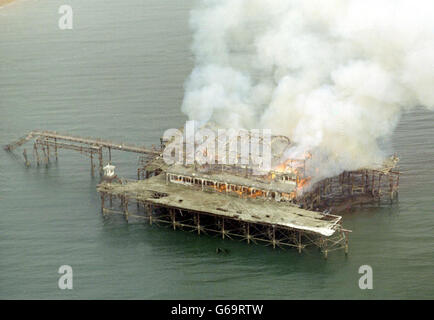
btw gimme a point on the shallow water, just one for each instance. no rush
(119, 75)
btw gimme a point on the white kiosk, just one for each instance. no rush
(109, 171)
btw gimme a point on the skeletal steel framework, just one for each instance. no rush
(48, 142)
(133, 205)
(366, 185)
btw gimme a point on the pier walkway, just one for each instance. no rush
(45, 140)
(53, 135)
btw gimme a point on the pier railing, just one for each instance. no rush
(49, 142)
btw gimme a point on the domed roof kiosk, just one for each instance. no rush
(109, 172)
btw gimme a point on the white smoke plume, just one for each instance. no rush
(334, 76)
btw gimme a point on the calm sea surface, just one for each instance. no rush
(119, 75)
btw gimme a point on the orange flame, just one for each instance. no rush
(242, 192)
(301, 183)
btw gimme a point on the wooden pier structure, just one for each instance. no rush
(204, 211)
(280, 208)
(48, 143)
(377, 185)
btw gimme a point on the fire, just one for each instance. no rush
(283, 167)
(242, 192)
(222, 188)
(290, 169)
(251, 193)
(288, 196)
(256, 194)
(280, 168)
(301, 182)
(293, 165)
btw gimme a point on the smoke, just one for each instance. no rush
(334, 76)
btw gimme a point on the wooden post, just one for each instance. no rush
(35, 148)
(126, 207)
(379, 187)
(48, 151)
(299, 242)
(150, 214)
(391, 187)
(325, 251)
(91, 164)
(346, 243)
(198, 223)
(55, 147)
(47, 158)
(223, 228)
(102, 202)
(248, 233)
(366, 182)
(110, 154)
(45, 155)
(172, 214)
(100, 161)
(274, 237)
(26, 161)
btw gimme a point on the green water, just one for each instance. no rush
(119, 75)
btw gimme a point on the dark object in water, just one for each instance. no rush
(221, 250)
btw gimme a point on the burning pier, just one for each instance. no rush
(281, 207)
(366, 186)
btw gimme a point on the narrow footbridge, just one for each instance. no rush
(47, 141)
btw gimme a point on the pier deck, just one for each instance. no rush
(253, 215)
(276, 223)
